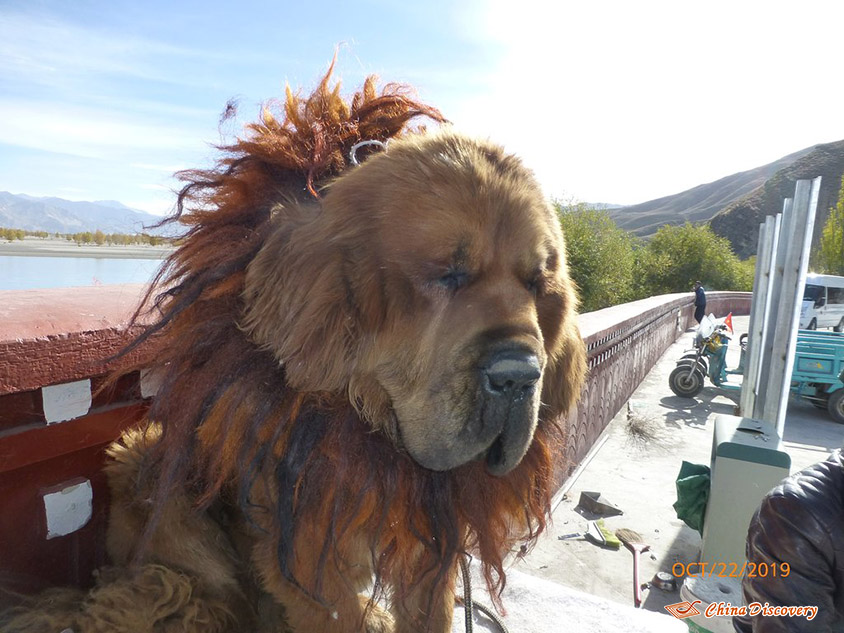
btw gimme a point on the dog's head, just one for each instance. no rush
(431, 286)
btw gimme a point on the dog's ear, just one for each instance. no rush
(299, 305)
(565, 371)
(564, 374)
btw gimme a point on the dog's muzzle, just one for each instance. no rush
(511, 375)
(509, 380)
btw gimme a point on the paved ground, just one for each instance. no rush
(639, 476)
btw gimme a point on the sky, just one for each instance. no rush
(614, 101)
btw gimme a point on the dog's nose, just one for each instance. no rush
(512, 374)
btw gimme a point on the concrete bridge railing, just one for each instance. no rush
(623, 343)
(55, 424)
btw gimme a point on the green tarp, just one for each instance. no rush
(692, 494)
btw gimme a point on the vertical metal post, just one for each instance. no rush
(791, 263)
(750, 380)
(766, 331)
(805, 206)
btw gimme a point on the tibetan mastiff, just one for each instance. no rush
(365, 352)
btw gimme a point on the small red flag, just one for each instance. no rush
(728, 321)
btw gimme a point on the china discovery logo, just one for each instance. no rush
(683, 609)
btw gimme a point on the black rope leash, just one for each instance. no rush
(469, 605)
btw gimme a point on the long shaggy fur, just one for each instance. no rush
(273, 471)
(148, 598)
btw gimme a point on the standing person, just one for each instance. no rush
(700, 302)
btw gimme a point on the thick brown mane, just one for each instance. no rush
(230, 422)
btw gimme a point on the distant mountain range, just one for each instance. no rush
(735, 205)
(698, 204)
(739, 221)
(55, 215)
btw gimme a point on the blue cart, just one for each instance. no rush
(818, 368)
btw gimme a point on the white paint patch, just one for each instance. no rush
(67, 401)
(68, 509)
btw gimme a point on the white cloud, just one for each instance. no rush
(87, 132)
(623, 102)
(157, 206)
(42, 49)
(169, 169)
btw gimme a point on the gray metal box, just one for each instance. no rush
(748, 460)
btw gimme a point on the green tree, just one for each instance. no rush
(831, 247)
(677, 256)
(600, 255)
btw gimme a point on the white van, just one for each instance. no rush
(823, 303)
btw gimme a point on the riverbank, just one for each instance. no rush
(52, 247)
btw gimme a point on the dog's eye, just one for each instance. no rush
(454, 280)
(536, 284)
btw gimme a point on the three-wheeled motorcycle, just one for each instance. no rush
(708, 358)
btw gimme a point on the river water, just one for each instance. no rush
(23, 273)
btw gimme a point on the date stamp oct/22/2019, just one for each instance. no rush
(720, 569)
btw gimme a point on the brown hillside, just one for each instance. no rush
(699, 204)
(739, 222)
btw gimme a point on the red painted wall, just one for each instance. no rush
(51, 337)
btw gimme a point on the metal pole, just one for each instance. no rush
(791, 262)
(750, 380)
(805, 206)
(774, 350)
(766, 334)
